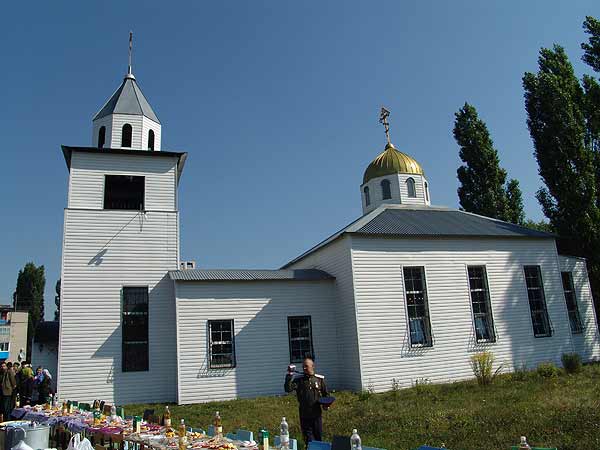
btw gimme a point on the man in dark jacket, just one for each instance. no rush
(7, 385)
(309, 388)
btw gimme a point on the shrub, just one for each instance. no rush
(547, 370)
(571, 362)
(483, 367)
(520, 373)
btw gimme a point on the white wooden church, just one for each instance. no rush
(408, 291)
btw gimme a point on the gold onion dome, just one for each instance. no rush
(391, 161)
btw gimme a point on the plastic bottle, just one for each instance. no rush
(218, 425)
(284, 434)
(355, 443)
(167, 417)
(524, 445)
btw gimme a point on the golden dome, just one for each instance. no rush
(392, 161)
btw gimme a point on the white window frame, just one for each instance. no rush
(310, 337)
(431, 342)
(550, 332)
(491, 315)
(579, 327)
(210, 343)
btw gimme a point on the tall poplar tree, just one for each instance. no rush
(483, 188)
(564, 123)
(29, 297)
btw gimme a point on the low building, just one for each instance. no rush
(13, 334)
(45, 347)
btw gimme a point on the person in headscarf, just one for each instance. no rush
(26, 386)
(44, 386)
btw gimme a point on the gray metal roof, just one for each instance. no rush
(432, 222)
(426, 221)
(128, 99)
(248, 275)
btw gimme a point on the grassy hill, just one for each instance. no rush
(561, 411)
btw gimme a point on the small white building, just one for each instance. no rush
(408, 291)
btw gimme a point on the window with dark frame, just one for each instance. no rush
(367, 196)
(410, 186)
(386, 190)
(135, 357)
(221, 344)
(417, 307)
(571, 299)
(300, 337)
(101, 137)
(481, 305)
(124, 192)
(126, 134)
(537, 302)
(426, 191)
(151, 140)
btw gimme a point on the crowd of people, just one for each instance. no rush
(19, 383)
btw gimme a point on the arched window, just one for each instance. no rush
(367, 196)
(426, 191)
(101, 137)
(386, 190)
(126, 135)
(151, 140)
(410, 186)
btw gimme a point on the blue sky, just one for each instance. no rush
(276, 102)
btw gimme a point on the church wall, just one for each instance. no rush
(87, 178)
(335, 259)
(587, 344)
(260, 311)
(398, 190)
(148, 124)
(103, 251)
(103, 122)
(382, 316)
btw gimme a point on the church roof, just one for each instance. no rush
(248, 275)
(423, 221)
(128, 99)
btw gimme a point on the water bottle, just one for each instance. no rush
(284, 434)
(355, 443)
(524, 445)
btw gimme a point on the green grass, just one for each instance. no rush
(561, 412)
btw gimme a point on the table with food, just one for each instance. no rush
(107, 428)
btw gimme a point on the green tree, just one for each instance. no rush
(483, 188)
(562, 119)
(542, 225)
(57, 300)
(29, 296)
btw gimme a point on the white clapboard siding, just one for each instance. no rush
(398, 191)
(382, 317)
(587, 344)
(147, 125)
(335, 260)
(88, 171)
(137, 130)
(102, 252)
(260, 310)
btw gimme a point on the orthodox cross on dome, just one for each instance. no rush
(383, 118)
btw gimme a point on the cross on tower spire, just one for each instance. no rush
(129, 70)
(383, 116)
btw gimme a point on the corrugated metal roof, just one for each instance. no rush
(426, 221)
(128, 99)
(248, 275)
(432, 222)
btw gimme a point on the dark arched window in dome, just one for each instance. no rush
(386, 189)
(367, 196)
(410, 186)
(126, 133)
(101, 137)
(426, 191)
(151, 140)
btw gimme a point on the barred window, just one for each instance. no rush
(221, 345)
(124, 192)
(418, 309)
(480, 301)
(135, 329)
(571, 299)
(4, 346)
(537, 302)
(300, 336)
